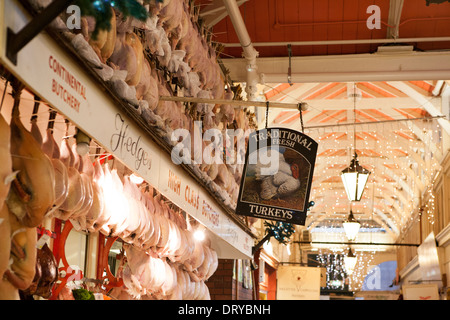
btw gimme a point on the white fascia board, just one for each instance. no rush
(393, 66)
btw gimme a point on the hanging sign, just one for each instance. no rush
(277, 175)
(298, 283)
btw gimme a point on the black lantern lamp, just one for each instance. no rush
(354, 179)
(350, 261)
(351, 227)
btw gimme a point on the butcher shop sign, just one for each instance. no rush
(277, 176)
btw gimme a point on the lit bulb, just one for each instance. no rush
(199, 235)
(136, 179)
(82, 148)
(83, 142)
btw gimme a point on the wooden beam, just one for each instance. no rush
(395, 66)
(236, 103)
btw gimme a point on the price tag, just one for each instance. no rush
(42, 240)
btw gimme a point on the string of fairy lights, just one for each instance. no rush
(337, 276)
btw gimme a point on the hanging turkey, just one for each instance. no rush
(32, 193)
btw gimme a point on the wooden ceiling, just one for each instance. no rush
(290, 21)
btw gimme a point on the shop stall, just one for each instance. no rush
(121, 215)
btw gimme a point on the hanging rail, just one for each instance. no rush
(372, 122)
(360, 243)
(273, 104)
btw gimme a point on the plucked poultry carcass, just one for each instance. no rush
(32, 193)
(142, 273)
(5, 240)
(152, 93)
(181, 29)
(45, 276)
(202, 270)
(193, 143)
(5, 182)
(170, 281)
(78, 217)
(20, 275)
(164, 108)
(133, 41)
(154, 7)
(226, 113)
(187, 247)
(104, 42)
(116, 204)
(133, 227)
(206, 110)
(177, 293)
(122, 210)
(154, 35)
(171, 19)
(5, 160)
(87, 27)
(35, 132)
(198, 256)
(76, 193)
(51, 149)
(183, 284)
(145, 82)
(94, 215)
(148, 232)
(173, 243)
(183, 77)
(146, 229)
(108, 48)
(175, 119)
(224, 178)
(165, 49)
(158, 271)
(190, 44)
(151, 239)
(163, 224)
(214, 264)
(175, 60)
(128, 55)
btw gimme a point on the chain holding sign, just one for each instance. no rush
(277, 176)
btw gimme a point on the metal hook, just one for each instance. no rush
(301, 115)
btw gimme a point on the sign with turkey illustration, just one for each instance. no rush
(277, 175)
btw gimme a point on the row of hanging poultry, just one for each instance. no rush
(41, 178)
(134, 58)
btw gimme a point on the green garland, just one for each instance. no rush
(82, 294)
(281, 231)
(101, 11)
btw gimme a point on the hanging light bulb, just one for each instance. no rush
(199, 234)
(83, 141)
(136, 179)
(351, 227)
(355, 176)
(350, 262)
